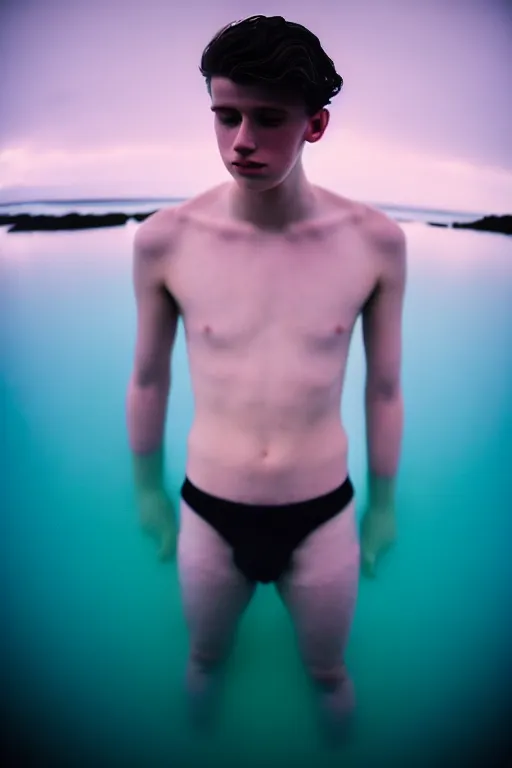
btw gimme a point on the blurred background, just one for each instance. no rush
(105, 99)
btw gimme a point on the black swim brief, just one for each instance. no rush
(263, 538)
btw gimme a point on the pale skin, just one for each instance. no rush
(269, 274)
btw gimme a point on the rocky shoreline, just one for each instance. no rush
(25, 222)
(499, 224)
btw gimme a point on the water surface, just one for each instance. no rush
(93, 642)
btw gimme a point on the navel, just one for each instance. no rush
(207, 329)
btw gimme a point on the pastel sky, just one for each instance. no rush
(104, 98)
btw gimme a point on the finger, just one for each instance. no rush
(151, 531)
(167, 547)
(163, 552)
(368, 564)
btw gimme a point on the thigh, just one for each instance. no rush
(320, 591)
(214, 593)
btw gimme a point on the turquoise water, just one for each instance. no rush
(93, 643)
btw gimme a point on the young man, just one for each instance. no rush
(269, 274)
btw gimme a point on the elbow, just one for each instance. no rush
(144, 378)
(383, 389)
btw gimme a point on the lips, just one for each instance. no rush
(249, 165)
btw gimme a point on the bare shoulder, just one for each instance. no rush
(383, 235)
(155, 234)
(376, 227)
(384, 240)
(160, 230)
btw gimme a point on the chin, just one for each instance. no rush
(248, 183)
(258, 184)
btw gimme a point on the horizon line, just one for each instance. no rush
(397, 206)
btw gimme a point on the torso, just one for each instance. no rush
(268, 320)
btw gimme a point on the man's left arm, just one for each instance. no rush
(382, 335)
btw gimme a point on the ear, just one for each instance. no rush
(317, 126)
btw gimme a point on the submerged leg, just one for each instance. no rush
(214, 596)
(320, 593)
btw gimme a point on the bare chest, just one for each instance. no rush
(236, 294)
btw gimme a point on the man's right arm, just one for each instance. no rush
(149, 385)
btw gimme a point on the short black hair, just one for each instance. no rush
(277, 54)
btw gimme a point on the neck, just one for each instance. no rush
(292, 201)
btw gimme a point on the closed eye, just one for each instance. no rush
(265, 122)
(266, 118)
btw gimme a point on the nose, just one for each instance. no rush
(245, 141)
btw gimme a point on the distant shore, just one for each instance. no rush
(26, 222)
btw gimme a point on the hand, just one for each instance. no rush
(378, 533)
(158, 519)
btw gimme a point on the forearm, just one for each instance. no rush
(146, 408)
(384, 428)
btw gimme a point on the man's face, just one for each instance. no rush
(254, 125)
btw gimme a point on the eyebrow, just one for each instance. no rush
(261, 108)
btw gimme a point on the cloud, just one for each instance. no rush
(350, 163)
(106, 98)
(430, 76)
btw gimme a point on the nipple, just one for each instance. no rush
(339, 329)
